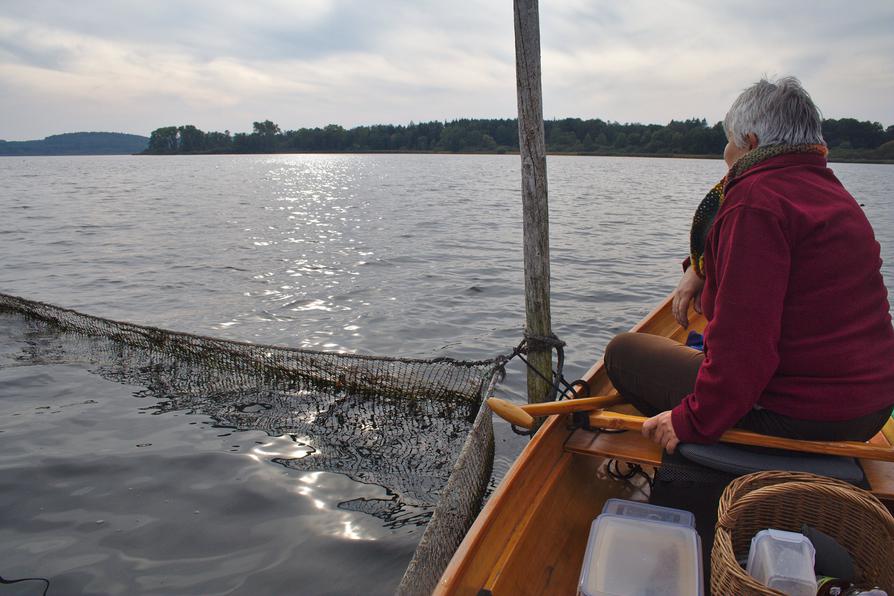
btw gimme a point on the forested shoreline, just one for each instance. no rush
(848, 138)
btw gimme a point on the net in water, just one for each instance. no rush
(415, 426)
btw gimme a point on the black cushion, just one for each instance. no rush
(738, 461)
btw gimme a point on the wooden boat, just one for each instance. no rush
(531, 534)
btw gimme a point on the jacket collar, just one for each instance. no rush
(779, 161)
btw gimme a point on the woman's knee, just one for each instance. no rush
(624, 360)
(650, 368)
(622, 348)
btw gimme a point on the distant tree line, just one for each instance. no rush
(78, 143)
(847, 137)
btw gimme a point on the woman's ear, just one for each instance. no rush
(752, 141)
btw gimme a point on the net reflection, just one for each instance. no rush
(405, 445)
(413, 427)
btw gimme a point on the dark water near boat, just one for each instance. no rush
(105, 491)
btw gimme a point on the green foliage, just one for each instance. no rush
(858, 135)
(265, 128)
(847, 138)
(163, 140)
(191, 139)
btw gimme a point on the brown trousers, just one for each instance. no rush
(655, 374)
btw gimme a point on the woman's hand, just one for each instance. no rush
(688, 290)
(660, 429)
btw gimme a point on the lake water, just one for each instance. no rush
(409, 255)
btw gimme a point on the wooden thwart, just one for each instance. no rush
(633, 447)
(629, 447)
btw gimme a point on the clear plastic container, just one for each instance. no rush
(783, 561)
(650, 512)
(629, 555)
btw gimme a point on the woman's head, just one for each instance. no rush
(773, 113)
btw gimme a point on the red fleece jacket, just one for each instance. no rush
(798, 315)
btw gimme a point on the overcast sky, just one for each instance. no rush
(133, 66)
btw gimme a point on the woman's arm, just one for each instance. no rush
(751, 262)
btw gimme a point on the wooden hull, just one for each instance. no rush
(531, 534)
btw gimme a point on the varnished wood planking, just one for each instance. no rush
(628, 446)
(558, 534)
(526, 523)
(500, 523)
(880, 474)
(484, 544)
(516, 549)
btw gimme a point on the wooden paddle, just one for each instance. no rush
(524, 415)
(614, 420)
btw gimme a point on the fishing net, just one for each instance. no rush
(416, 427)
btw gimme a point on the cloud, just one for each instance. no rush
(105, 65)
(646, 61)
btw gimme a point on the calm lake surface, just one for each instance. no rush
(406, 255)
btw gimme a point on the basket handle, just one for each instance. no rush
(834, 489)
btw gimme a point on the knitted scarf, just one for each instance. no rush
(710, 205)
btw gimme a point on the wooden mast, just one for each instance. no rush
(532, 148)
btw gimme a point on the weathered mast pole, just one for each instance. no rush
(535, 210)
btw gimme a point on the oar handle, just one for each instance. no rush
(617, 421)
(523, 415)
(510, 412)
(567, 406)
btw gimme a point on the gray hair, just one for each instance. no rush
(779, 112)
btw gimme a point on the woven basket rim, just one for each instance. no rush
(854, 495)
(747, 492)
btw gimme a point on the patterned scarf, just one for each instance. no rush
(710, 205)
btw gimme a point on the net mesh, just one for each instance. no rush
(367, 411)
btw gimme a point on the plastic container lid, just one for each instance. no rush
(628, 555)
(783, 561)
(650, 512)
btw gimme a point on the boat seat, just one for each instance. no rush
(634, 448)
(739, 461)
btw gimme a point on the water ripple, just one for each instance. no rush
(415, 255)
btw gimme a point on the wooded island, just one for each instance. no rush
(848, 138)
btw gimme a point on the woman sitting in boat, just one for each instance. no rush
(786, 269)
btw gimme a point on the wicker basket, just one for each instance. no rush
(785, 501)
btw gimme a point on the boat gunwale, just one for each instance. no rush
(487, 519)
(498, 527)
